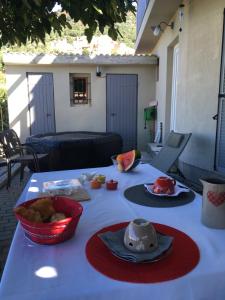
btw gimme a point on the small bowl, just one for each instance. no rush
(140, 236)
(136, 162)
(95, 184)
(53, 232)
(111, 184)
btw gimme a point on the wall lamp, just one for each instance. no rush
(158, 29)
(98, 71)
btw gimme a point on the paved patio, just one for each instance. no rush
(8, 199)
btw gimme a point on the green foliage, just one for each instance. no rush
(85, 51)
(3, 98)
(76, 30)
(28, 20)
(4, 122)
(128, 31)
(2, 95)
(1, 63)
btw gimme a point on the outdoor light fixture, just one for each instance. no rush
(98, 71)
(158, 29)
(181, 15)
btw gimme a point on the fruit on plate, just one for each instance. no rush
(128, 160)
(164, 185)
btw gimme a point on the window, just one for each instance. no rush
(80, 89)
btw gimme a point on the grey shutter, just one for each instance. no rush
(122, 107)
(220, 161)
(41, 102)
(220, 147)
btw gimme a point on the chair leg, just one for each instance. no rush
(22, 166)
(8, 175)
(37, 166)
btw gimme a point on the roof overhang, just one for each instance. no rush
(156, 12)
(48, 59)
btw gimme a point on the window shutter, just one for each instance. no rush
(220, 146)
(221, 138)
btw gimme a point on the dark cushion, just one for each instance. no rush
(76, 150)
(174, 139)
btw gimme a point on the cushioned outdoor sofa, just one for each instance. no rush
(76, 150)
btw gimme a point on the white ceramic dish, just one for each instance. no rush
(177, 190)
(140, 236)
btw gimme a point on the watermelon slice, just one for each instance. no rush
(137, 154)
(127, 160)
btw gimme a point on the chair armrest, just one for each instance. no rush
(28, 146)
(29, 150)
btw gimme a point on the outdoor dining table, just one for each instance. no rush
(63, 272)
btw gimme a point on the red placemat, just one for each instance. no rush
(183, 258)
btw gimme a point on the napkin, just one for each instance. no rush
(114, 241)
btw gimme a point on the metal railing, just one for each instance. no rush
(141, 9)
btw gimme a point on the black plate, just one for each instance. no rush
(139, 195)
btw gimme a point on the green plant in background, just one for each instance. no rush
(4, 122)
(26, 20)
(85, 51)
(75, 31)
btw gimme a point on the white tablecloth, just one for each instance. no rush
(62, 272)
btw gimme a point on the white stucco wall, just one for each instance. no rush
(80, 117)
(200, 45)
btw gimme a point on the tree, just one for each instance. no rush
(3, 99)
(24, 20)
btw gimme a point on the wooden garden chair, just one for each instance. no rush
(15, 152)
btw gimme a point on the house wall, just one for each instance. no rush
(200, 43)
(80, 117)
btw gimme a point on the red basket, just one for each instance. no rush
(54, 232)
